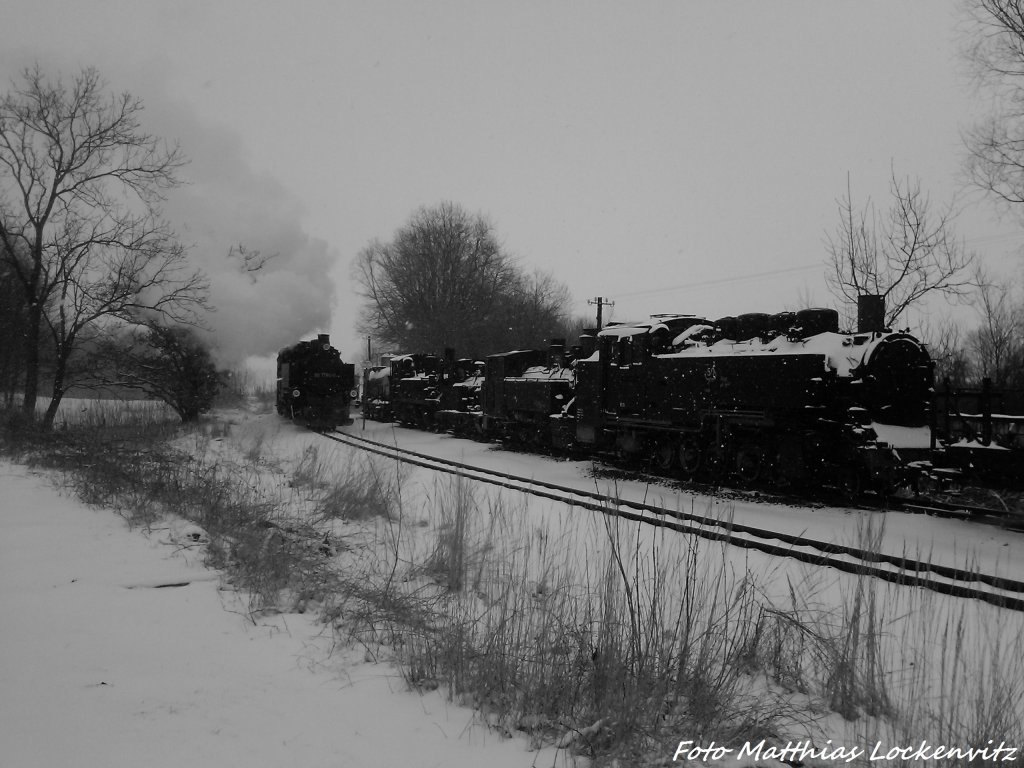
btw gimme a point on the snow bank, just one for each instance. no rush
(120, 649)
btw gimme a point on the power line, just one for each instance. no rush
(1003, 238)
(725, 280)
(1006, 237)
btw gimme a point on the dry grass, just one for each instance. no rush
(605, 637)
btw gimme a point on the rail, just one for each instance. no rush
(995, 590)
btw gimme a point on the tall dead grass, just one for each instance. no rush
(608, 638)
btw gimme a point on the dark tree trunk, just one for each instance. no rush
(35, 321)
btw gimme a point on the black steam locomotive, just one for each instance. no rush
(314, 386)
(783, 399)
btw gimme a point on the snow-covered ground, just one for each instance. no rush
(946, 541)
(118, 648)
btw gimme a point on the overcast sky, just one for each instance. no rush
(673, 156)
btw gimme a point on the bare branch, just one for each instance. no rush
(904, 256)
(249, 261)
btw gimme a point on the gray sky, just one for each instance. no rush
(673, 156)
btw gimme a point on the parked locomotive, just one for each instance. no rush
(426, 391)
(785, 398)
(314, 386)
(377, 392)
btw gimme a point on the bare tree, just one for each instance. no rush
(168, 363)
(996, 345)
(13, 324)
(531, 310)
(443, 281)
(948, 351)
(80, 187)
(995, 145)
(906, 253)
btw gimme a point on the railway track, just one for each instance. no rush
(926, 505)
(939, 508)
(995, 590)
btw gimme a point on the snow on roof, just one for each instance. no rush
(690, 332)
(843, 352)
(540, 372)
(655, 323)
(622, 331)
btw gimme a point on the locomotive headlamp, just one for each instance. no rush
(295, 393)
(354, 393)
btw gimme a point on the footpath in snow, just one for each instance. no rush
(119, 649)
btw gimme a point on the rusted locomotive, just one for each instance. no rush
(314, 386)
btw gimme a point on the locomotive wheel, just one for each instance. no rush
(749, 462)
(851, 482)
(663, 456)
(714, 462)
(689, 457)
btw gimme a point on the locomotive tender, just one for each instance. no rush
(783, 399)
(314, 386)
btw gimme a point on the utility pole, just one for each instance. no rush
(366, 379)
(601, 302)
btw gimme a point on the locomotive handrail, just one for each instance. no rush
(947, 580)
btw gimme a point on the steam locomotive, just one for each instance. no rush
(784, 399)
(314, 386)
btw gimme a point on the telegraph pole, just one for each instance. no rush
(366, 379)
(601, 302)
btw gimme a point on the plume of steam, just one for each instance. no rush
(269, 280)
(225, 210)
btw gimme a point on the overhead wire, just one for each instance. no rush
(723, 280)
(1004, 237)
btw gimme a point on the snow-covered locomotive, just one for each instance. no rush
(782, 399)
(314, 386)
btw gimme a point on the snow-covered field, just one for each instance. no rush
(120, 649)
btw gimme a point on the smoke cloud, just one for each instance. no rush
(226, 204)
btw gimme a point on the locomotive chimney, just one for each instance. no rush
(556, 353)
(870, 313)
(324, 338)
